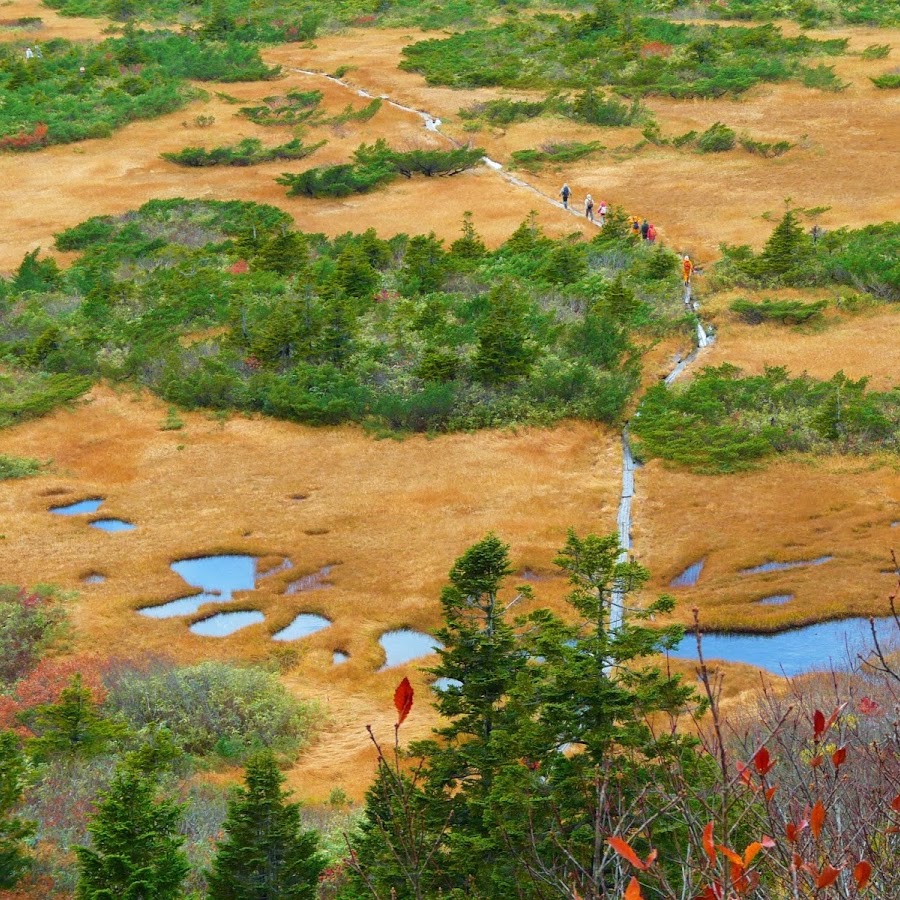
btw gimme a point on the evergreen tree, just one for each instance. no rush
(72, 725)
(14, 858)
(355, 275)
(265, 854)
(469, 246)
(135, 852)
(504, 351)
(424, 265)
(786, 250)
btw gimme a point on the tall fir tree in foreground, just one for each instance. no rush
(135, 852)
(14, 859)
(265, 855)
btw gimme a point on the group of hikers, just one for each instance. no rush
(642, 228)
(646, 230)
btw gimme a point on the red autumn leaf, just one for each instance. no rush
(818, 724)
(621, 847)
(731, 855)
(745, 774)
(403, 700)
(708, 844)
(817, 761)
(751, 852)
(633, 891)
(817, 819)
(895, 804)
(868, 707)
(862, 873)
(828, 876)
(762, 761)
(737, 873)
(839, 756)
(711, 892)
(767, 842)
(770, 793)
(791, 832)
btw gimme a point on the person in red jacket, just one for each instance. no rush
(687, 267)
(651, 233)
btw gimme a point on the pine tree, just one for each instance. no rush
(265, 854)
(14, 858)
(504, 351)
(469, 246)
(135, 852)
(786, 250)
(74, 724)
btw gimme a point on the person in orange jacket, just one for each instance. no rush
(687, 267)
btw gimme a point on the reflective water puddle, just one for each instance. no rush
(113, 525)
(304, 625)
(223, 624)
(403, 645)
(690, 576)
(781, 566)
(79, 508)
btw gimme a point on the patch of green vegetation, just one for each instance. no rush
(248, 152)
(876, 51)
(787, 312)
(637, 55)
(888, 81)
(403, 335)
(294, 108)
(18, 467)
(866, 258)
(810, 13)
(554, 154)
(768, 149)
(716, 139)
(375, 165)
(721, 422)
(29, 395)
(76, 91)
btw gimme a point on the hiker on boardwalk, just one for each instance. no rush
(589, 207)
(645, 228)
(687, 267)
(635, 224)
(651, 233)
(565, 193)
(604, 209)
(28, 53)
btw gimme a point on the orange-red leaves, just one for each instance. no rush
(869, 707)
(839, 756)
(763, 762)
(818, 724)
(621, 847)
(817, 761)
(403, 700)
(895, 804)
(751, 851)
(633, 891)
(827, 876)
(770, 793)
(731, 855)
(862, 873)
(708, 844)
(817, 819)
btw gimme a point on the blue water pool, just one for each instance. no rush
(690, 576)
(776, 600)
(339, 657)
(223, 624)
(792, 652)
(781, 566)
(304, 625)
(403, 645)
(112, 525)
(77, 509)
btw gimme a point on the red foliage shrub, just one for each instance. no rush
(656, 48)
(26, 140)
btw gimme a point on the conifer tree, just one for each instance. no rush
(265, 855)
(469, 246)
(787, 248)
(504, 351)
(135, 852)
(14, 859)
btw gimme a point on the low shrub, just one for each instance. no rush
(876, 51)
(562, 153)
(214, 708)
(17, 467)
(294, 108)
(768, 149)
(248, 152)
(716, 139)
(30, 621)
(888, 81)
(29, 395)
(787, 312)
(822, 78)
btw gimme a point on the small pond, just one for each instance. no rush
(79, 508)
(792, 652)
(112, 525)
(315, 581)
(690, 576)
(781, 566)
(304, 625)
(776, 600)
(218, 577)
(339, 657)
(93, 578)
(223, 624)
(403, 645)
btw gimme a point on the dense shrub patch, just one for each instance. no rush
(607, 46)
(29, 623)
(722, 422)
(248, 152)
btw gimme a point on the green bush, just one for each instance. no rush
(29, 395)
(716, 139)
(294, 108)
(876, 51)
(248, 152)
(823, 78)
(214, 707)
(562, 153)
(888, 81)
(30, 621)
(17, 467)
(787, 312)
(768, 149)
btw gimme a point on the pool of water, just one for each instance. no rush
(781, 566)
(77, 509)
(218, 577)
(112, 525)
(792, 652)
(93, 578)
(339, 657)
(275, 570)
(304, 625)
(776, 600)
(223, 624)
(403, 645)
(315, 581)
(690, 576)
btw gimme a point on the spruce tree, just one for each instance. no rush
(786, 250)
(504, 352)
(265, 855)
(14, 858)
(135, 852)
